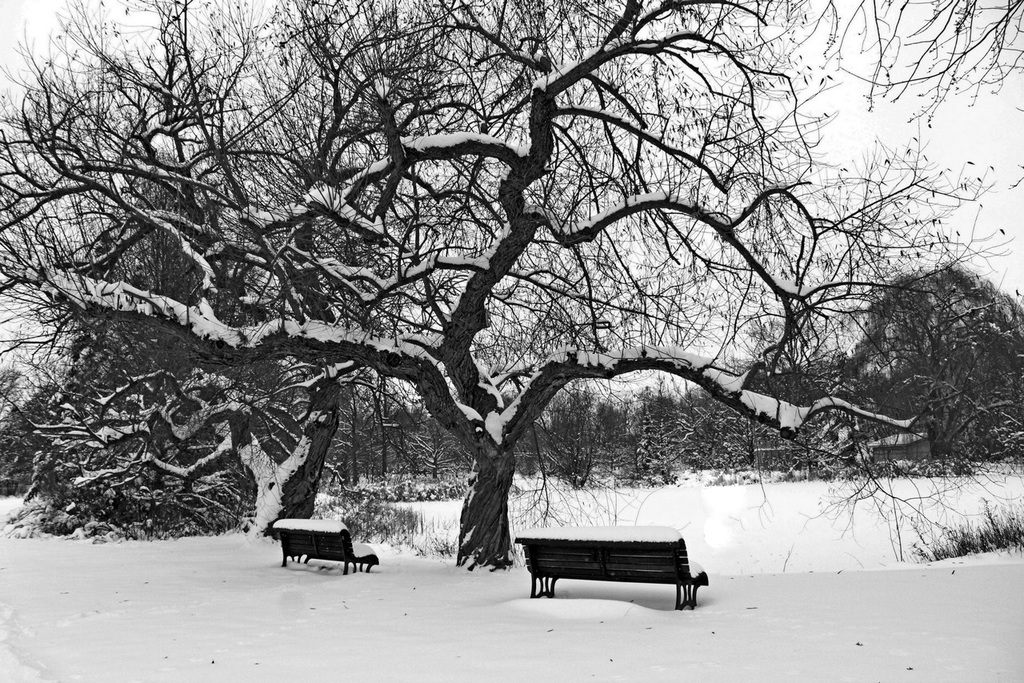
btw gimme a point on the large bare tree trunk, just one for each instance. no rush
(298, 492)
(484, 537)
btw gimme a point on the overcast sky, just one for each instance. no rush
(988, 131)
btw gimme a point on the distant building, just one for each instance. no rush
(903, 446)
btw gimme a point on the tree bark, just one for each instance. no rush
(298, 492)
(936, 430)
(484, 536)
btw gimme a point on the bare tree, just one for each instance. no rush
(572, 436)
(486, 201)
(948, 348)
(939, 48)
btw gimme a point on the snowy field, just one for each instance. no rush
(795, 595)
(774, 528)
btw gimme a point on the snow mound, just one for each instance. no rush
(583, 609)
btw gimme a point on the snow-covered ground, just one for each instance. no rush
(222, 609)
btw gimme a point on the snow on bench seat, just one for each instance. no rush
(607, 534)
(363, 550)
(329, 526)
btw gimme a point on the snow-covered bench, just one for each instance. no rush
(651, 554)
(322, 539)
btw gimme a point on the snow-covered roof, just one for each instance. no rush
(326, 525)
(611, 534)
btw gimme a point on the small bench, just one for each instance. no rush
(322, 539)
(632, 554)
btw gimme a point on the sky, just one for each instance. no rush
(985, 130)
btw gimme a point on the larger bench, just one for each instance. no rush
(322, 539)
(630, 554)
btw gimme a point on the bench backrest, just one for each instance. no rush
(616, 562)
(325, 546)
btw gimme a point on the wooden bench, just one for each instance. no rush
(322, 539)
(631, 554)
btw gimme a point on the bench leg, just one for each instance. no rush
(547, 586)
(686, 596)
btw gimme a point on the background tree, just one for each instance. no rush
(660, 434)
(571, 432)
(484, 201)
(948, 347)
(20, 402)
(429, 450)
(713, 436)
(131, 434)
